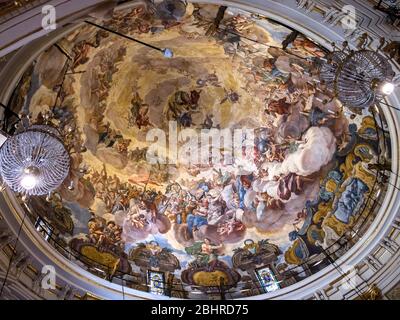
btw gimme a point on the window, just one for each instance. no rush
(43, 228)
(156, 281)
(267, 279)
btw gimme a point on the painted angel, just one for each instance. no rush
(141, 220)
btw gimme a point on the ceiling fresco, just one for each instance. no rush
(302, 186)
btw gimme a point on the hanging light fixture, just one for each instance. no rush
(387, 88)
(34, 161)
(357, 78)
(168, 53)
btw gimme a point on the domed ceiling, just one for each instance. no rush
(189, 213)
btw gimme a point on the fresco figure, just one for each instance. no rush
(198, 218)
(243, 184)
(141, 220)
(205, 252)
(350, 199)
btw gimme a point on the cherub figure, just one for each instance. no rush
(229, 226)
(123, 144)
(275, 153)
(96, 227)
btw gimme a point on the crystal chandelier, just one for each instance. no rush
(35, 161)
(357, 78)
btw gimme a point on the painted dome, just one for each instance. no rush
(225, 167)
